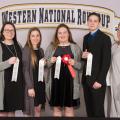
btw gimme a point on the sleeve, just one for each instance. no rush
(26, 68)
(78, 63)
(106, 60)
(48, 55)
(3, 64)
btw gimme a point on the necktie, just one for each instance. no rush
(90, 38)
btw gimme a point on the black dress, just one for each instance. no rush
(38, 86)
(13, 91)
(62, 88)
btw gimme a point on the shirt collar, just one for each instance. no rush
(94, 32)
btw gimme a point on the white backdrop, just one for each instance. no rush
(48, 33)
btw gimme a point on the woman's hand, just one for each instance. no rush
(12, 60)
(71, 61)
(53, 59)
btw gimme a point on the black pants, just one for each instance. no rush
(94, 100)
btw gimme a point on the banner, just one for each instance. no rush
(50, 15)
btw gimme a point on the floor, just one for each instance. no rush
(80, 112)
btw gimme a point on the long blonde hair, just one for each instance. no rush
(30, 46)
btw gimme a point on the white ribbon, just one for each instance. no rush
(41, 70)
(57, 67)
(89, 64)
(15, 70)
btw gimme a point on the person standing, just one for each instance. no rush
(34, 87)
(11, 87)
(114, 77)
(63, 93)
(96, 56)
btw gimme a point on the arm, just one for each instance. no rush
(48, 55)
(78, 63)
(26, 67)
(3, 64)
(106, 59)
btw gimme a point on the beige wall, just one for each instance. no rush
(48, 33)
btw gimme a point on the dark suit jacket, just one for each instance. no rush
(100, 47)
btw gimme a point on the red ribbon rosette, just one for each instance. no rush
(65, 59)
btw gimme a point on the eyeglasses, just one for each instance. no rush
(9, 31)
(117, 29)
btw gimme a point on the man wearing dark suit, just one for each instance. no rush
(99, 45)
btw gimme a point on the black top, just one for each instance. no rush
(62, 50)
(38, 86)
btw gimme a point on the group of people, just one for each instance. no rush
(23, 86)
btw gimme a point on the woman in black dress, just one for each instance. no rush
(35, 89)
(13, 96)
(63, 93)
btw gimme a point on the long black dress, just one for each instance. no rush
(38, 86)
(62, 88)
(13, 91)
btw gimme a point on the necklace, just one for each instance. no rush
(64, 44)
(11, 50)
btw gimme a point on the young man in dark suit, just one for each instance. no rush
(94, 85)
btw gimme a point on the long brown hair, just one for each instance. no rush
(30, 46)
(55, 42)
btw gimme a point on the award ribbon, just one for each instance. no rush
(65, 59)
(57, 67)
(89, 64)
(15, 70)
(41, 70)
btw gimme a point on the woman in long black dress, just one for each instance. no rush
(35, 89)
(13, 89)
(63, 93)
